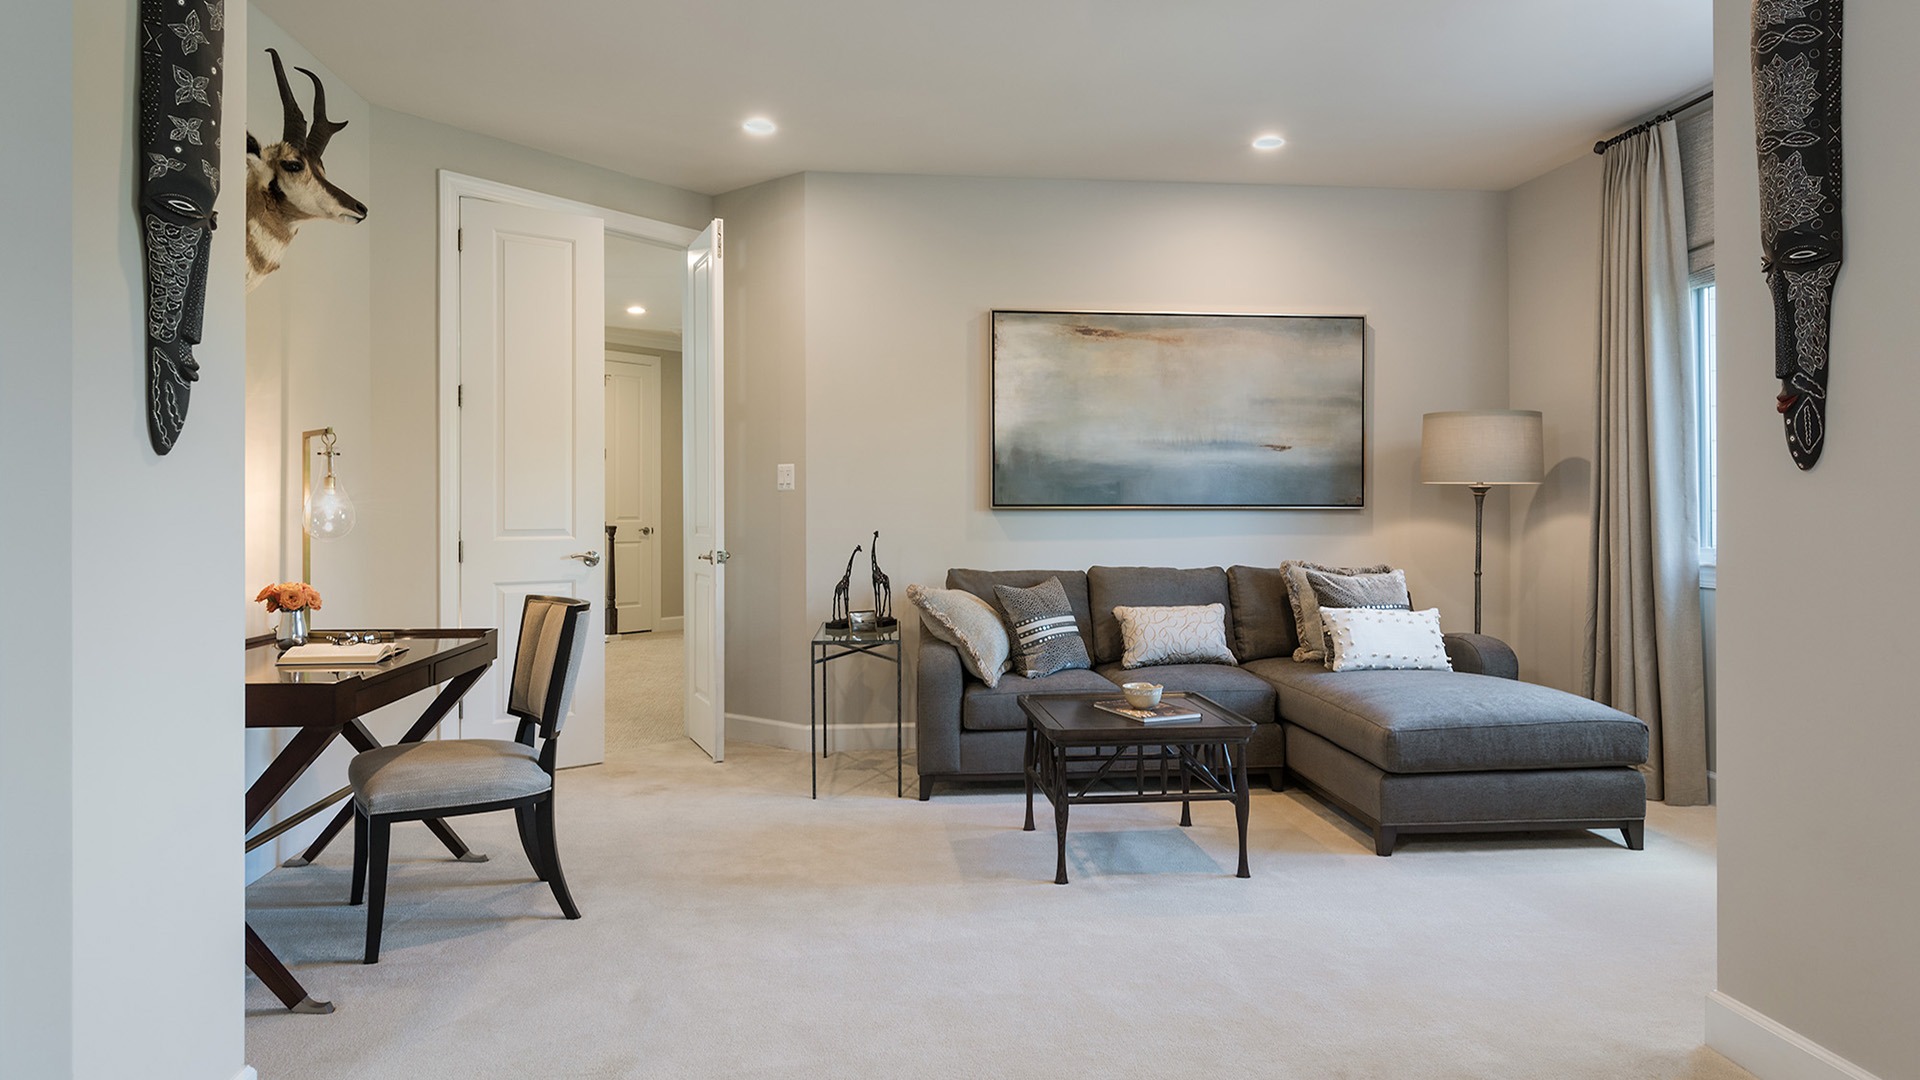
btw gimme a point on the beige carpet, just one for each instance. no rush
(734, 928)
(644, 692)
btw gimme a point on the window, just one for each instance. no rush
(1707, 420)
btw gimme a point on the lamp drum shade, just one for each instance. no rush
(1482, 448)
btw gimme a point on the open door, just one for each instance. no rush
(532, 486)
(705, 548)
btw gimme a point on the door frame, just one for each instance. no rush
(453, 187)
(638, 359)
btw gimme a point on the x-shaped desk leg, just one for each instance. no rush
(361, 739)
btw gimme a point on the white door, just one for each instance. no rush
(706, 553)
(531, 444)
(633, 489)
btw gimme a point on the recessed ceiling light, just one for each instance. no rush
(759, 125)
(636, 309)
(1269, 142)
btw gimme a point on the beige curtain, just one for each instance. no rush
(1644, 652)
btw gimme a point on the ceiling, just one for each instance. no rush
(650, 275)
(1384, 93)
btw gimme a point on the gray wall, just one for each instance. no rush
(37, 623)
(1818, 740)
(120, 913)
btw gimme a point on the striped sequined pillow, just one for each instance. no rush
(1046, 638)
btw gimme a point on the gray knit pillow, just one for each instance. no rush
(1046, 638)
(967, 623)
(1306, 606)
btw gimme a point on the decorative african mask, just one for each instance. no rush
(1796, 105)
(180, 57)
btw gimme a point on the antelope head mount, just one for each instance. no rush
(287, 183)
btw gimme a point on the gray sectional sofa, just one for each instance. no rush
(1399, 751)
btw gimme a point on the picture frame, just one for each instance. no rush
(1123, 410)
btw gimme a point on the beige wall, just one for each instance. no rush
(673, 600)
(1818, 739)
(345, 335)
(120, 952)
(408, 154)
(1553, 290)
(900, 274)
(767, 381)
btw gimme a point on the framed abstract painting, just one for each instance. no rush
(1104, 410)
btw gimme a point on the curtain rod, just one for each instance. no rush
(1601, 146)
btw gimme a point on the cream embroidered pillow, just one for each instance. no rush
(970, 625)
(1195, 634)
(1368, 639)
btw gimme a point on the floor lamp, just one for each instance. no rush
(1480, 449)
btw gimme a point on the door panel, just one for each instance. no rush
(531, 456)
(705, 550)
(633, 487)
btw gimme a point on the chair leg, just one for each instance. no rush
(543, 816)
(530, 839)
(359, 858)
(379, 831)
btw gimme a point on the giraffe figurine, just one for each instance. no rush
(882, 588)
(839, 620)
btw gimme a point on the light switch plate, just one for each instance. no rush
(783, 478)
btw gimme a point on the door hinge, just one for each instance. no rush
(460, 551)
(460, 395)
(459, 239)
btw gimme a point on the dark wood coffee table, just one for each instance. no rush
(1065, 731)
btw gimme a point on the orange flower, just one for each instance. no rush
(290, 596)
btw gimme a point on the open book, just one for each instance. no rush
(1163, 713)
(328, 654)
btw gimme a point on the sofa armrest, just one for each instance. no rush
(939, 681)
(1482, 654)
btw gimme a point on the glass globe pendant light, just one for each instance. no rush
(328, 512)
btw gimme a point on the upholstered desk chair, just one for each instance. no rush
(451, 777)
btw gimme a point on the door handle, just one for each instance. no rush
(646, 530)
(715, 556)
(591, 558)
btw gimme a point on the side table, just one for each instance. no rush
(830, 645)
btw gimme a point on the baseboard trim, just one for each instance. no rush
(789, 735)
(1771, 1050)
(673, 624)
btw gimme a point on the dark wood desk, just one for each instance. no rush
(326, 703)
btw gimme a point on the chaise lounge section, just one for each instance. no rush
(1467, 750)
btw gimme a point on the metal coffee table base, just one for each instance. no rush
(1205, 766)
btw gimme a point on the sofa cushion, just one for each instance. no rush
(1261, 615)
(1109, 587)
(969, 624)
(1248, 695)
(1312, 589)
(1046, 634)
(981, 582)
(1364, 639)
(1444, 721)
(997, 708)
(1195, 634)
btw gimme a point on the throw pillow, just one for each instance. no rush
(1188, 634)
(1371, 639)
(1306, 609)
(1046, 638)
(970, 625)
(1386, 592)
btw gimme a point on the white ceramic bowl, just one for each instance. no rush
(1142, 695)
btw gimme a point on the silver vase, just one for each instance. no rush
(295, 627)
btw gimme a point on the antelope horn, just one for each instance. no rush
(294, 130)
(323, 128)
